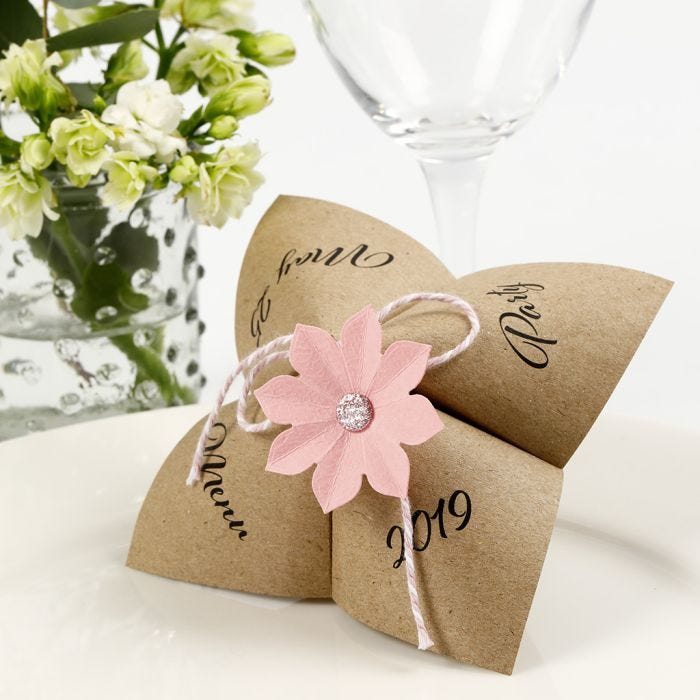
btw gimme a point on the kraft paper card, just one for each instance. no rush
(555, 340)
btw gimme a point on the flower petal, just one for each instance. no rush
(400, 370)
(288, 400)
(361, 344)
(316, 355)
(410, 420)
(387, 465)
(338, 476)
(298, 448)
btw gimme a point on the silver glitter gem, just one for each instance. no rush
(354, 412)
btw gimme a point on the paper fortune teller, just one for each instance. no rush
(486, 475)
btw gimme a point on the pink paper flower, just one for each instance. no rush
(350, 409)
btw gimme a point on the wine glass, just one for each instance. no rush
(450, 79)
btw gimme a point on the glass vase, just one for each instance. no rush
(98, 314)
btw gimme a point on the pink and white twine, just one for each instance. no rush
(278, 349)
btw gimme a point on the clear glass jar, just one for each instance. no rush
(98, 314)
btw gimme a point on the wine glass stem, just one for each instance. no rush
(454, 186)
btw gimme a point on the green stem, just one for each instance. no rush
(150, 366)
(165, 52)
(166, 59)
(180, 31)
(151, 46)
(45, 20)
(76, 253)
(160, 37)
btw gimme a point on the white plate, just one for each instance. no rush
(617, 613)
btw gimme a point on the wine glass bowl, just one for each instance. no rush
(450, 79)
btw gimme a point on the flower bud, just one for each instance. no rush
(26, 75)
(268, 48)
(223, 127)
(126, 64)
(35, 152)
(99, 103)
(243, 98)
(184, 170)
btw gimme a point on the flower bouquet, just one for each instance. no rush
(101, 185)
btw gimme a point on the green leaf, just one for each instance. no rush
(240, 33)
(108, 285)
(24, 24)
(192, 123)
(251, 69)
(9, 148)
(134, 247)
(124, 27)
(84, 93)
(76, 4)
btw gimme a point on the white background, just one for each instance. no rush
(607, 171)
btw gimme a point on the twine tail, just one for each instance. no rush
(195, 473)
(424, 640)
(249, 366)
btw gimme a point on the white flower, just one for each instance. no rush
(36, 153)
(82, 144)
(222, 15)
(225, 185)
(127, 177)
(211, 61)
(24, 201)
(146, 118)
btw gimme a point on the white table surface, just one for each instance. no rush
(616, 615)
